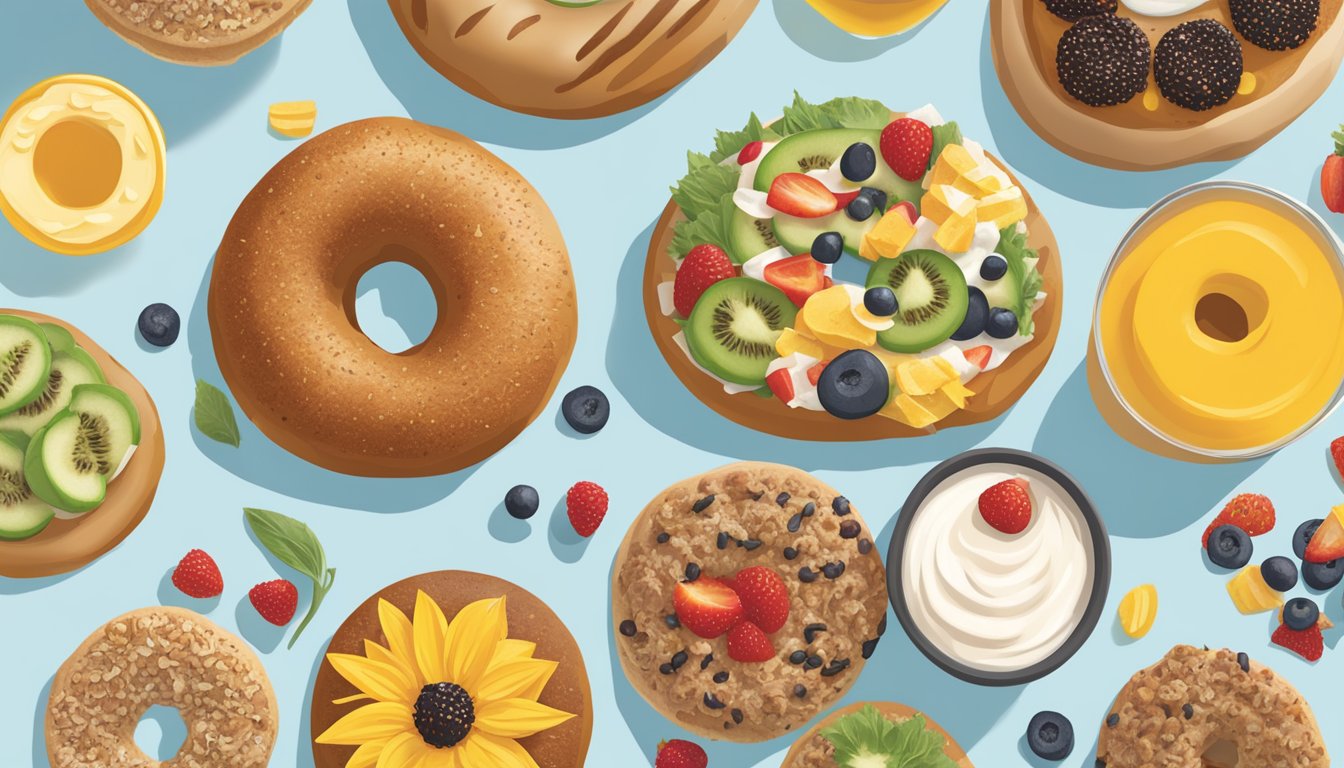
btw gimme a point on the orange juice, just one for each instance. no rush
(876, 18)
(1219, 327)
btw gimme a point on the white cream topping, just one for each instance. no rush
(1163, 7)
(804, 391)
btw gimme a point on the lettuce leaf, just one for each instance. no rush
(711, 226)
(1021, 260)
(729, 143)
(847, 112)
(867, 739)
(704, 185)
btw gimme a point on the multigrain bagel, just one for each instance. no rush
(1209, 708)
(283, 288)
(201, 33)
(555, 59)
(161, 656)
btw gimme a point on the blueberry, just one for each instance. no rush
(160, 324)
(1229, 547)
(1280, 573)
(854, 385)
(881, 301)
(860, 208)
(859, 162)
(1323, 576)
(1300, 613)
(994, 267)
(1002, 323)
(977, 315)
(1050, 736)
(1303, 535)
(877, 196)
(828, 247)
(586, 409)
(521, 501)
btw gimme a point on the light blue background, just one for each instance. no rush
(607, 182)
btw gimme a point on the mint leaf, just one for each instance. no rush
(1021, 260)
(854, 112)
(947, 133)
(729, 143)
(1338, 136)
(703, 186)
(293, 543)
(710, 227)
(214, 415)
(867, 738)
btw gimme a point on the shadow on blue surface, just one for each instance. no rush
(32, 271)
(40, 726)
(810, 31)
(263, 635)
(303, 754)
(507, 528)
(1021, 148)
(1160, 495)
(261, 462)
(431, 98)
(638, 370)
(10, 586)
(566, 544)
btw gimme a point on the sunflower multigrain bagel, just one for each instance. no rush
(1189, 709)
(283, 289)
(735, 517)
(167, 657)
(550, 59)
(197, 32)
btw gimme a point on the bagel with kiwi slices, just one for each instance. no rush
(961, 302)
(49, 522)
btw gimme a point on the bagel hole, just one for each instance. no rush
(77, 163)
(395, 306)
(161, 733)
(1222, 754)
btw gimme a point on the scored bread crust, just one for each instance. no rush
(995, 391)
(542, 58)
(897, 713)
(203, 33)
(65, 545)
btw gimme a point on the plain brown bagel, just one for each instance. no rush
(282, 293)
(566, 59)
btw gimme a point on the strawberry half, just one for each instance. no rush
(1337, 453)
(707, 607)
(748, 644)
(798, 194)
(704, 266)
(765, 598)
(1307, 643)
(1006, 506)
(906, 145)
(797, 276)
(1328, 542)
(1332, 175)
(1251, 512)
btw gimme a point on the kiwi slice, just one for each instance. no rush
(931, 292)
(734, 326)
(25, 362)
(797, 235)
(819, 149)
(71, 460)
(22, 515)
(60, 337)
(749, 236)
(68, 370)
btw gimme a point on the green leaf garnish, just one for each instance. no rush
(709, 227)
(214, 415)
(1338, 136)
(1021, 260)
(704, 185)
(293, 543)
(867, 739)
(947, 133)
(854, 112)
(729, 143)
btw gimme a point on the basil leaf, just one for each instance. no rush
(214, 415)
(293, 543)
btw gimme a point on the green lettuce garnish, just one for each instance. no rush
(729, 143)
(846, 112)
(867, 739)
(705, 183)
(1021, 260)
(711, 226)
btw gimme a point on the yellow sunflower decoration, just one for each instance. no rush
(443, 695)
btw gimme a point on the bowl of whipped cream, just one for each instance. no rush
(991, 607)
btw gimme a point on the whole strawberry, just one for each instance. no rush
(586, 505)
(275, 600)
(1251, 512)
(1337, 453)
(704, 266)
(198, 576)
(679, 753)
(1006, 506)
(1332, 175)
(765, 598)
(906, 145)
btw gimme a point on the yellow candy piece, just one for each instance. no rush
(831, 321)
(1152, 99)
(957, 234)
(1004, 207)
(1138, 610)
(920, 377)
(888, 238)
(943, 201)
(1251, 594)
(294, 119)
(1247, 85)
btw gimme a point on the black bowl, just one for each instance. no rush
(1101, 548)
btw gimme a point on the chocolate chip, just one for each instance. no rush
(692, 571)
(782, 499)
(809, 509)
(865, 546)
(705, 662)
(757, 495)
(798, 657)
(665, 668)
(672, 621)
(835, 668)
(679, 659)
(868, 647)
(813, 661)
(850, 529)
(628, 628)
(882, 626)
(810, 632)
(807, 575)
(663, 538)
(1166, 710)
(800, 690)
(749, 544)
(795, 523)
(702, 504)
(840, 506)
(736, 714)
(1188, 711)
(833, 570)
(1244, 662)
(723, 540)
(713, 702)
(720, 677)
(1113, 720)
(790, 553)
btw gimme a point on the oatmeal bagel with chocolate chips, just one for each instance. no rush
(202, 33)
(746, 601)
(1210, 708)
(169, 657)
(569, 58)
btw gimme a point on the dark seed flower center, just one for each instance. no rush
(444, 713)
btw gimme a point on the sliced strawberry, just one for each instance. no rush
(797, 276)
(1337, 453)
(1006, 506)
(1327, 543)
(843, 199)
(814, 373)
(1307, 643)
(750, 152)
(908, 209)
(781, 385)
(706, 606)
(1332, 183)
(979, 356)
(765, 597)
(798, 194)
(1251, 512)
(748, 644)
(704, 266)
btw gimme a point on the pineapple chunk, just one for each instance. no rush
(957, 392)
(957, 234)
(1004, 207)
(792, 342)
(943, 201)
(954, 162)
(888, 238)
(906, 410)
(920, 377)
(1251, 594)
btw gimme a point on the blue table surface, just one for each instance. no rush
(607, 182)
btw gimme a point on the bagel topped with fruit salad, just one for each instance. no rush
(851, 273)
